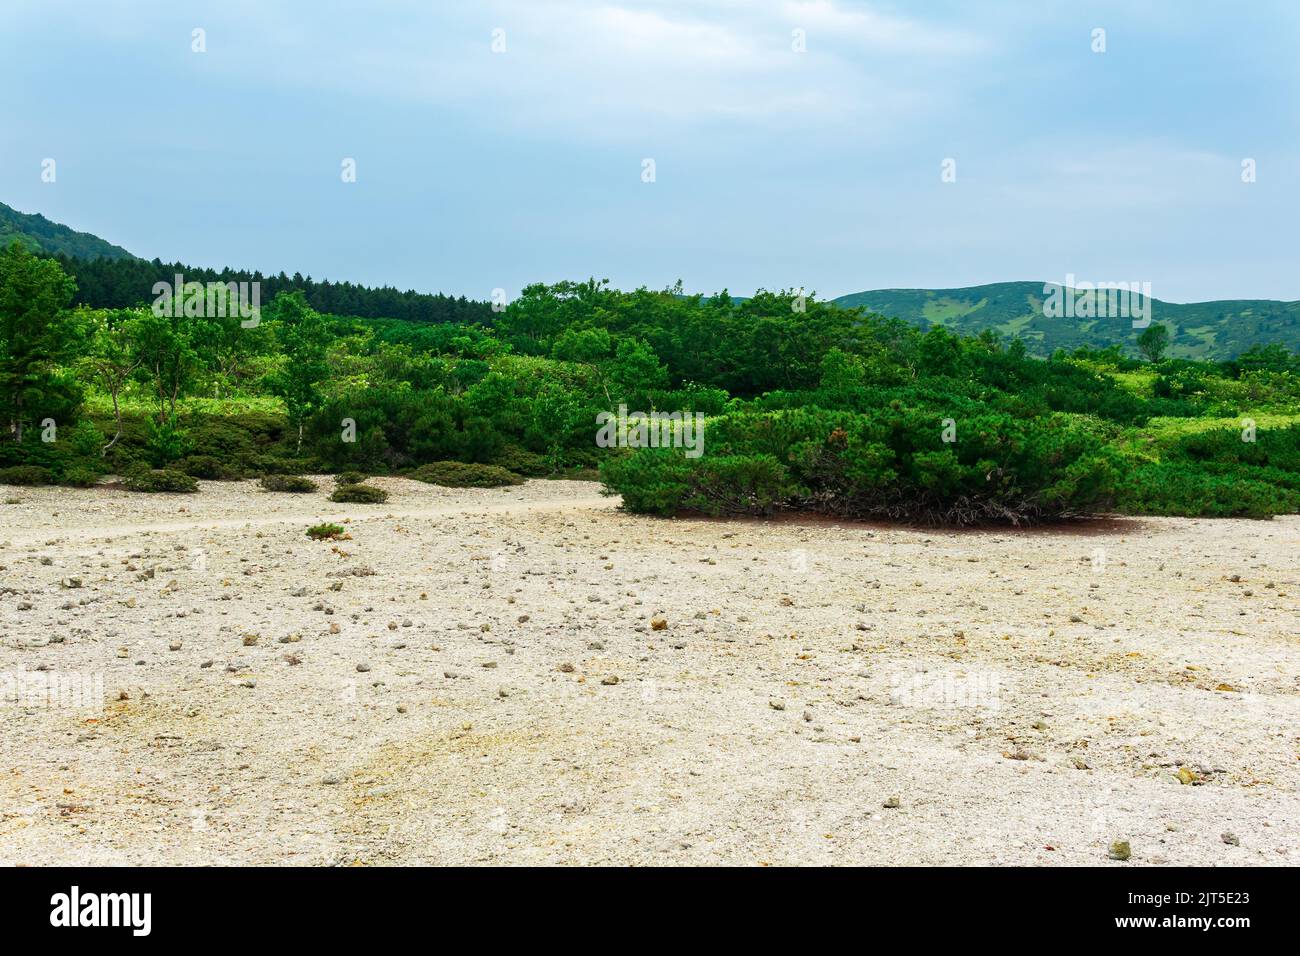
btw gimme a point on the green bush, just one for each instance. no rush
(325, 532)
(1182, 490)
(359, 494)
(277, 465)
(26, 475)
(204, 466)
(522, 462)
(891, 462)
(295, 484)
(165, 443)
(349, 478)
(456, 474)
(161, 480)
(80, 477)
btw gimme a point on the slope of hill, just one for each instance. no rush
(41, 235)
(1199, 330)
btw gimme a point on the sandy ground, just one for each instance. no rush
(476, 677)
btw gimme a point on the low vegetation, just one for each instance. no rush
(161, 480)
(456, 474)
(295, 484)
(326, 532)
(805, 404)
(359, 495)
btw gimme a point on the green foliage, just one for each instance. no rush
(809, 405)
(359, 494)
(302, 335)
(890, 463)
(80, 476)
(522, 462)
(325, 532)
(160, 480)
(1216, 473)
(1153, 342)
(165, 442)
(349, 478)
(295, 484)
(26, 475)
(455, 474)
(36, 336)
(207, 467)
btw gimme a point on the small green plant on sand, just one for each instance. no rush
(325, 532)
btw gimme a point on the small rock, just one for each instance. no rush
(363, 667)
(1230, 839)
(892, 803)
(1119, 850)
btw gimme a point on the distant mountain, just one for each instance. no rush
(1201, 330)
(39, 234)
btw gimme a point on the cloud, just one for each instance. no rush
(863, 26)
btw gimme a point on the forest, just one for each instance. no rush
(808, 405)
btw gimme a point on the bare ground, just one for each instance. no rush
(1028, 697)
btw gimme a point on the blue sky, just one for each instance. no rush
(822, 170)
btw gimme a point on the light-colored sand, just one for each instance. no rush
(1028, 696)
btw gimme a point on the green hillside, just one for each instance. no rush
(1199, 330)
(39, 234)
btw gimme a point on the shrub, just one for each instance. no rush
(277, 465)
(661, 481)
(1178, 489)
(522, 462)
(359, 494)
(25, 475)
(349, 478)
(890, 462)
(325, 532)
(79, 477)
(165, 443)
(456, 474)
(161, 480)
(295, 484)
(204, 466)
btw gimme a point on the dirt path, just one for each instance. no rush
(482, 676)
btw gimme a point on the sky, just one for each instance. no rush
(833, 146)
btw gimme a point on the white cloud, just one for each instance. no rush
(861, 25)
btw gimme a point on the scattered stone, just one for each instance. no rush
(363, 667)
(892, 803)
(658, 623)
(776, 704)
(610, 680)
(1230, 839)
(1119, 850)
